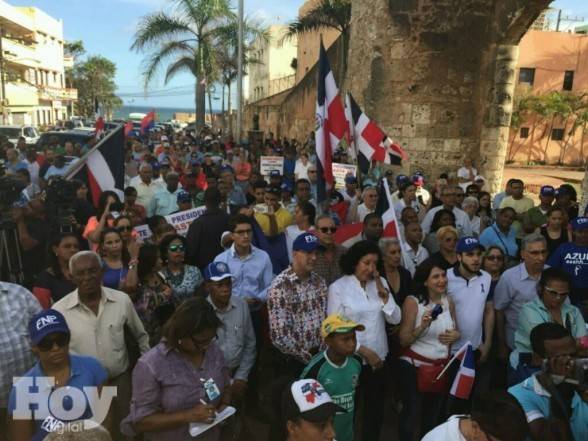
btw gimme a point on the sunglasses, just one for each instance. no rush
(124, 228)
(326, 230)
(176, 248)
(47, 343)
(556, 294)
(494, 258)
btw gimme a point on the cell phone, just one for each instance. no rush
(117, 206)
(437, 310)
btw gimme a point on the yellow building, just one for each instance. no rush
(33, 90)
(275, 72)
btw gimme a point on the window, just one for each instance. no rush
(557, 134)
(524, 132)
(527, 75)
(568, 83)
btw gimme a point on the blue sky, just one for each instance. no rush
(107, 29)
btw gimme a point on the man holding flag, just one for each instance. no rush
(468, 286)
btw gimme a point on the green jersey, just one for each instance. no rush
(340, 383)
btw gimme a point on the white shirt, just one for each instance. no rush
(465, 174)
(301, 170)
(33, 168)
(462, 221)
(364, 306)
(145, 192)
(448, 431)
(469, 297)
(292, 232)
(363, 211)
(401, 205)
(412, 259)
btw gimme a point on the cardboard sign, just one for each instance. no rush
(342, 170)
(181, 222)
(269, 163)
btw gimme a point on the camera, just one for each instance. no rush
(437, 310)
(59, 198)
(10, 191)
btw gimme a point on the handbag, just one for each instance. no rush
(427, 374)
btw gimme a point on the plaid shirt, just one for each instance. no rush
(296, 310)
(17, 307)
(329, 270)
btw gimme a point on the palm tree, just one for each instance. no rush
(333, 14)
(185, 38)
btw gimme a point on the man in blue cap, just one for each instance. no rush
(50, 337)
(297, 305)
(236, 337)
(537, 216)
(275, 178)
(572, 257)
(184, 200)
(351, 194)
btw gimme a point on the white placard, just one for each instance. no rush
(181, 222)
(340, 171)
(198, 428)
(269, 163)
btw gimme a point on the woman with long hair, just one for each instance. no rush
(120, 268)
(102, 220)
(361, 295)
(407, 198)
(184, 280)
(485, 212)
(153, 299)
(55, 282)
(555, 230)
(442, 218)
(427, 331)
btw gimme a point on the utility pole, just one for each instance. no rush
(240, 75)
(566, 18)
(2, 81)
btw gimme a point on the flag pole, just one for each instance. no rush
(452, 360)
(79, 164)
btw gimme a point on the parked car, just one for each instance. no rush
(29, 133)
(81, 136)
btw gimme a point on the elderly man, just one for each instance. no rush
(97, 317)
(516, 287)
(449, 202)
(145, 185)
(297, 305)
(165, 200)
(329, 252)
(17, 307)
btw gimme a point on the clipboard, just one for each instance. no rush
(199, 428)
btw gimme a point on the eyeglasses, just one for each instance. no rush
(124, 228)
(176, 248)
(327, 230)
(243, 232)
(47, 343)
(556, 294)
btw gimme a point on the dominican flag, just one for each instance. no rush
(99, 126)
(331, 125)
(385, 209)
(371, 142)
(103, 168)
(128, 128)
(346, 234)
(464, 380)
(148, 122)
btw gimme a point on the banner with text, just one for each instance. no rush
(269, 163)
(342, 170)
(181, 222)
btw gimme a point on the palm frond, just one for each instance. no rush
(166, 51)
(160, 26)
(183, 64)
(335, 14)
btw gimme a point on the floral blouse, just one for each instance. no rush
(185, 283)
(153, 309)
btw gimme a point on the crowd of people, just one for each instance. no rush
(262, 306)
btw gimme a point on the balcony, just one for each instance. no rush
(57, 94)
(19, 53)
(15, 21)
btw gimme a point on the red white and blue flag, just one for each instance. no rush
(464, 380)
(331, 125)
(385, 209)
(370, 141)
(103, 167)
(148, 122)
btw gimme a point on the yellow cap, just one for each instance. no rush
(340, 324)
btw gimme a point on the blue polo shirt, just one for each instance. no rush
(573, 259)
(534, 400)
(506, 242)
(85, 372)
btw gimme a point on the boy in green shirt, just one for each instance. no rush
(338, 369)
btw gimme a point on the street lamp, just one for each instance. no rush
(240, 75)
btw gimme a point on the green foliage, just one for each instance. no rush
(94, 79)
(74, 48)
(335, 14)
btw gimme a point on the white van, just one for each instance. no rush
(29, 133)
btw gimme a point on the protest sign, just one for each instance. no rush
(342, 170)
(181, 222)
(269, 163)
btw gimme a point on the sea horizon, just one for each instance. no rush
(162, 113)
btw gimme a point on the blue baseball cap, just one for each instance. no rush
(579, 223)
(467, 244)
(547, 190)
(275, 174)
(47, 322)
(350, 179)
(401, 180)
(183, 196)
(217, 271)
(286, 187)
(305, 242)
